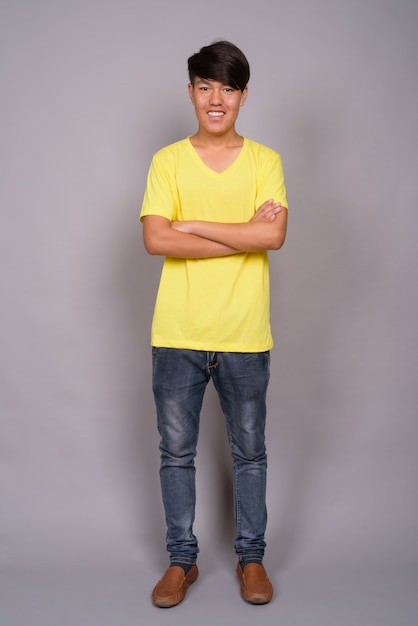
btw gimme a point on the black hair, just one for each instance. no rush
(221, 61)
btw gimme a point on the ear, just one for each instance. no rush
(191, 92)
(244, 96)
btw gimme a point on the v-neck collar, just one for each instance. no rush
(209, 169)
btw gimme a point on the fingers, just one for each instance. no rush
(267, 211)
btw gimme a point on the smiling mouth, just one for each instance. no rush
(216, 113)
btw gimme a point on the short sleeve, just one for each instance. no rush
(270, 183)
(160, 197)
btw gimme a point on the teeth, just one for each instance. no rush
(215, 113)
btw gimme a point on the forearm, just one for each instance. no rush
(163, 240)
(250, 236)
(188, 246)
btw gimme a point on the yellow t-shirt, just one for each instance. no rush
(219, 304)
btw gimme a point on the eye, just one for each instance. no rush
(229, 89)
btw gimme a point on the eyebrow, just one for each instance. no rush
(208, 81)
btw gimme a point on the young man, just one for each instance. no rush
(215, 202)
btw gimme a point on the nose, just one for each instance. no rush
(216, 97)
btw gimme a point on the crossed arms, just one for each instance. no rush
(195, 239)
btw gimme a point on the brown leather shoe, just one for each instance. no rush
(172, 587)
(255, 585)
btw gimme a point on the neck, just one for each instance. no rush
(218, 142)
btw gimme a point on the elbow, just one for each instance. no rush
(154, 235)
(278, 236)
(274, 233)
(153, 251)
(151, 246)
(276, 242)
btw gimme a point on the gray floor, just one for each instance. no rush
(120, 596)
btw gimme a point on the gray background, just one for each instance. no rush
(89, 91)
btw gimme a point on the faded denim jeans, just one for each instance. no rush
(179, 382)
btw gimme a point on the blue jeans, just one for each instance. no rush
(179, 382)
